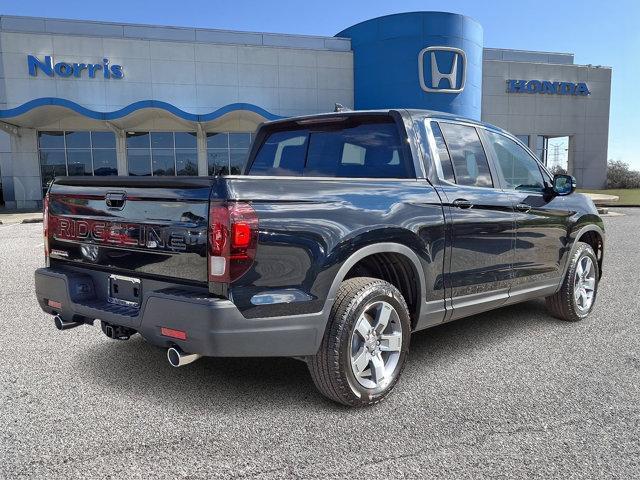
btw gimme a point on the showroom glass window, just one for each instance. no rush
(162, 153)
(76, 153)
(227, 152)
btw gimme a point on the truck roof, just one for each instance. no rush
(434, 114)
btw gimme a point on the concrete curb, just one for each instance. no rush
(32, 220)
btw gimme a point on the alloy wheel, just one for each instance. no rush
(376, 344)
(584, 284)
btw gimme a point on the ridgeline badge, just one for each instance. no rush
(65, 69)
(545, 87)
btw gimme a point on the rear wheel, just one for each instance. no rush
(576, 297)
(365, 345)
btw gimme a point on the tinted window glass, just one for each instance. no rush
(227, 152)
(218, 161)
(520, 171)
(103, 140)
(51, 139)
(139, 161)
(282, 153)
(163, 161)
(161, 139)
(469, 160)
(77, 153)
(217, 140)
(186, 161)
(237, 161)
(79, 162)
(186, 140)
(53, 164)
(105, 162)
(361, 150)
(443, 154)
(239, 140)
(77, 139)
(137, 139)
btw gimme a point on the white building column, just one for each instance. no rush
(121, 149)
(6, 170)
(27, 183)
(203, 166)
(121, 153)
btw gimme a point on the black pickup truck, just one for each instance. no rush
(346, 233)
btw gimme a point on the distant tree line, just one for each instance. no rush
(558, 170)
(620, 175)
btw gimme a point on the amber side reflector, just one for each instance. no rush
(170, 332)
(54, 304)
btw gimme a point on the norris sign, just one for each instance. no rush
(68, 69)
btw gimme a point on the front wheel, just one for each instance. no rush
(576, 297)
(365, 344)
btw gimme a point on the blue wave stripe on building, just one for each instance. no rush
(129, 109)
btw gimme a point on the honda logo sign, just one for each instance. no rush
(451, 79)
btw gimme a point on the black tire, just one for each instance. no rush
(331, 368)
(563, 303)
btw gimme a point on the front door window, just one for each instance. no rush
(519, 170)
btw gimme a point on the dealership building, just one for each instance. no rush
(100, 98)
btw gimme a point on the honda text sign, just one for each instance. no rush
(442, 69)
(547, 87)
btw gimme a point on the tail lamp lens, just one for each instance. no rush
(233, 239)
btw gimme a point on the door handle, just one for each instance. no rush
(523, 207)
(462, 203)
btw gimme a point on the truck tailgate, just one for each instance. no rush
(139, 226)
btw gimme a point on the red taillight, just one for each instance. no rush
(170, 332)
(45, 226)
(241, 235)
(233, 239)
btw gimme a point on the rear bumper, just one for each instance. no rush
(215, 327)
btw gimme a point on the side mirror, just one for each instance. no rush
(564, 184)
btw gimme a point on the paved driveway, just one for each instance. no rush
(509, 393)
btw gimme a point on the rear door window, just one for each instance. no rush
(469, 161)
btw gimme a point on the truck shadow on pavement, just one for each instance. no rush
(140, 370)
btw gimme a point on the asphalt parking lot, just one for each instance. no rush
(509, 394)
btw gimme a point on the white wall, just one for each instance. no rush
(196, 77)
(584, 118)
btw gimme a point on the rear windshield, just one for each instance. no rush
(365, 148)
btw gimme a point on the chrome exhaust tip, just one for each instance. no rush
(64, 325)
(178, 358)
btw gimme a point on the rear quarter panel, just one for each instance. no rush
(309, 227)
